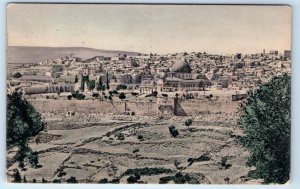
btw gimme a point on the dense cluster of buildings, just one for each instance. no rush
(145, 74)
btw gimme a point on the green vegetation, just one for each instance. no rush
(76, 79)
(204, 157)
(121, 86)
(23, 122)
(72, 180)
(91, 85)
(17, 75)
(266, 121)
(77, 95)
(120, 136)
(188, 123)
(133, 179)
(103, 181)
(173, 131)
(179, 178)
(17, 176)
(223, 163)
(122, 96)
(148, 171)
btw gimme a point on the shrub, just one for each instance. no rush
(96, 95)
(148, 171)
(72, 180)
(33, 158)
(69, 97)
(133, 179)
(43, 180)
(56, 181)
(103, 181)
(188, 122)
(179, 178)
(17, 176)
(120, 136)
(122, 96)
(140, 137)
(173, 131)
(17, 75)
(121, 86)
(135, 150)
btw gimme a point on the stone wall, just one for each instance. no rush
(188, 107)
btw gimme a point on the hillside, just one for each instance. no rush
(25, 54)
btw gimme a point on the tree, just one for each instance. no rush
(91, 85)
(82, 85)
(266, 121)
(100, 86)
(122, 96)
(188, 123)
(23, 122)
(24, 179)
(17, 176)
(76, 79)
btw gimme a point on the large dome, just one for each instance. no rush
(181, 66)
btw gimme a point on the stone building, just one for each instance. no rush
(180, 78)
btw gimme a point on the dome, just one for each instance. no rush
(181, 66)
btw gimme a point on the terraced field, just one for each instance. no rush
(106, 150)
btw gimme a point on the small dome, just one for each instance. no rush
(181, 66)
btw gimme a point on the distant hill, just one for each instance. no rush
(26, 54)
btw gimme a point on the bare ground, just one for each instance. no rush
(90, 150)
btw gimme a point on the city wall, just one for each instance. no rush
(188, 107)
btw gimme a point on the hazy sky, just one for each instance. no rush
(151, 28)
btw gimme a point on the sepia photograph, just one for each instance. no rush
(148, 93)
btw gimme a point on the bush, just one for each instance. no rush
(69, 97)
(173, 131)
(140, 137)
(56, 181)
(133, 179)
(148, 171)
(72, 180)
(103, 181)
(17, 176)
(120, 136)
(96, 95)
(121, 86)
(179, 178)
(122, 96)
(33, 158)
(17, 75)
(266, 121)
(44, 181)
(188, 122)
(135, 150)
(80, 96)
